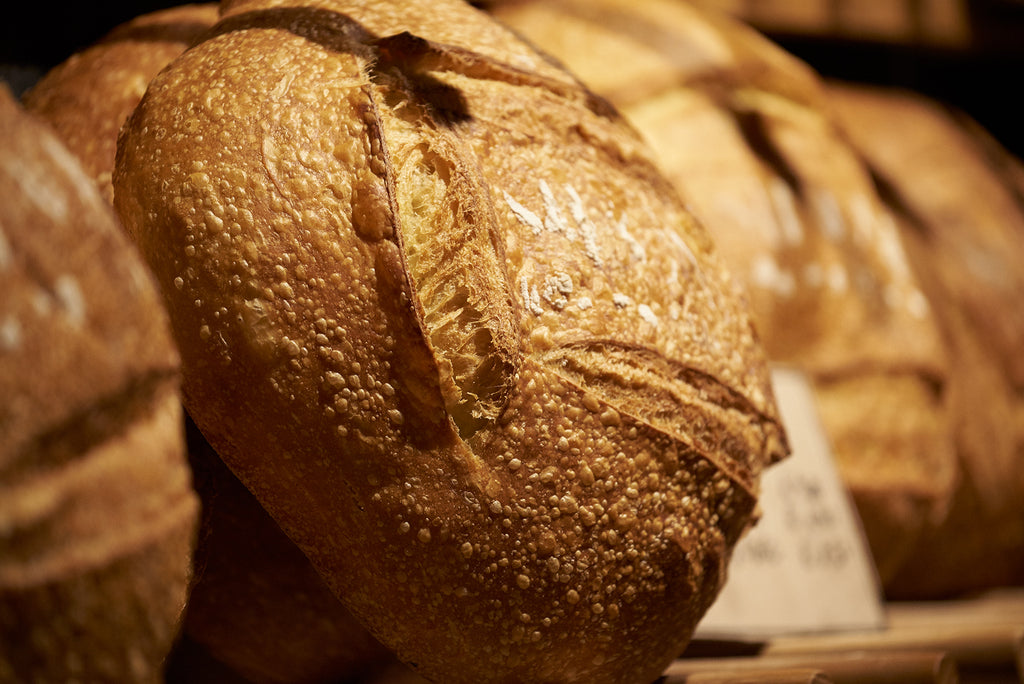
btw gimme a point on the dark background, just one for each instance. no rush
(983, 77)
(35, 36)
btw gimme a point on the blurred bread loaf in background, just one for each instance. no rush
(88, 96)
(97, 512)
(962, 218)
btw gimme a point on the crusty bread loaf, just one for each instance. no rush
(97, 514)
(87, 97)
(963, 223)
(742, 130)
(439, 312)
(255, 604)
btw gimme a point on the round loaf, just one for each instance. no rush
(97, 514)
(743, 131)
(963, 223)
(439, 312)
(87, 97)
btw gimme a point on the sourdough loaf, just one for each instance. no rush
(87, 97)
(255, 605)
(963, 223)
(97, 514)
(440, 313)
(742, 130)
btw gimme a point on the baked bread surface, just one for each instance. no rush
(440, 313)
(744, 132)
(255, 604)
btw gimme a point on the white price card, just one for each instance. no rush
(805, 567)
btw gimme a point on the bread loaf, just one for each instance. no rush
(97, 515)
(743, 131)
(255, 604)
(963, 223)
(439, 312)
(87, 97)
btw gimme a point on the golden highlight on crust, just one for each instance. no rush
(87, 97)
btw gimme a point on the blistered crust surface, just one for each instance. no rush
(80, 294)
(749, 140)
(432, 329)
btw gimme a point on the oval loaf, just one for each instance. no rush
(439, 312)
(951, 186)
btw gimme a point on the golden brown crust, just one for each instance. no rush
(97, 514)
(87, 97)
(745, 135)
(632, 53)
(445, 328)
(961, 191)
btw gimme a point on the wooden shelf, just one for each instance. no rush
(976, 640)
(840, 667)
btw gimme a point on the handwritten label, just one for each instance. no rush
(805, 567)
